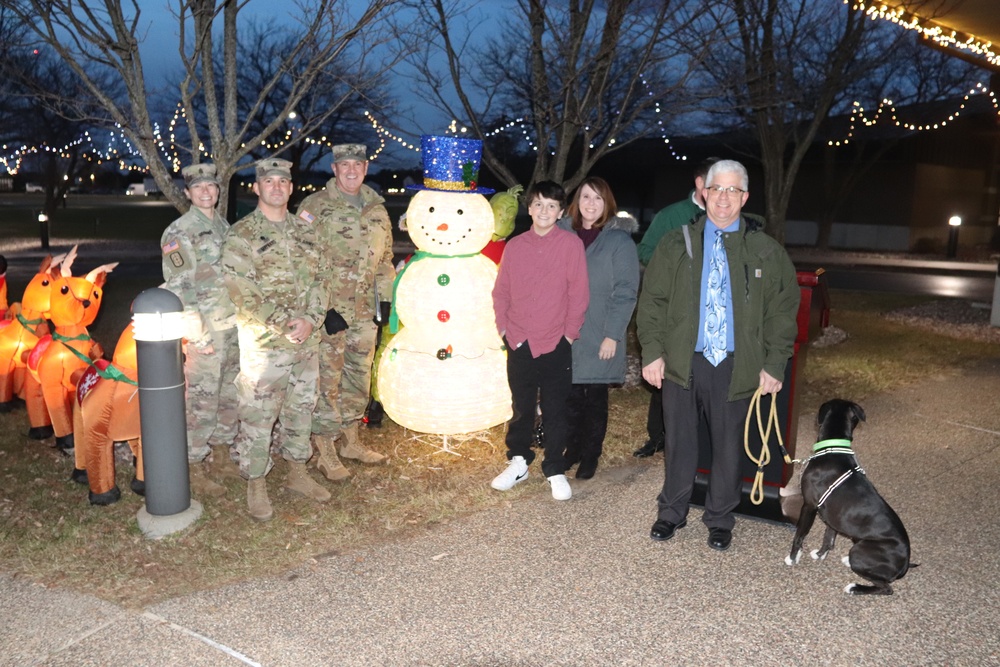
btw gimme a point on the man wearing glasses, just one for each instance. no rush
(716, 320)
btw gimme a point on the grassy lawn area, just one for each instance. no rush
(50, 534)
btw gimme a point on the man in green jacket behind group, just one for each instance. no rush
(716, 321)
(679, 213)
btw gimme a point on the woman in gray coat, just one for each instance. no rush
(599, 354)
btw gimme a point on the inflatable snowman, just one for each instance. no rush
(445, 371)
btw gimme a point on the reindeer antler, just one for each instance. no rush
(67, 262)
(103, 268)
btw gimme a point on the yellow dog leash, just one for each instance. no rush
(757, 491)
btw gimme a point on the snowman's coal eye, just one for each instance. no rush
(430, 210)
(460, 211)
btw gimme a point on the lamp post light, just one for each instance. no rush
(43, 229)
(158, 326)
(954, 222)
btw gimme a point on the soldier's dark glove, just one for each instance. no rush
(382, 315)
(334, 322)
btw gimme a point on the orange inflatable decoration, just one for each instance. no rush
(19, 333)
(3, 287)
(60, 359)
(107, 411)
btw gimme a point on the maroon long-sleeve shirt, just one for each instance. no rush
(542, 292)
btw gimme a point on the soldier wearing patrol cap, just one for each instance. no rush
(357, 238)
(192, 248)
(277, 276)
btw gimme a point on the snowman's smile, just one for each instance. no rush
(445, 234)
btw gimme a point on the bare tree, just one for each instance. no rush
(95, 37)
(340, 95)
(782, 67)
(36, 90)
(587, 77)
(779, 69)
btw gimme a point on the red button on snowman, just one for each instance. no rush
(445, 371)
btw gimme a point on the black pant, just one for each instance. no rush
(683, 409)
(654, 420)
(588, 423)
(550, 374)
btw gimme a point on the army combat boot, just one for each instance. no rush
(299, 482)
(257, 502)
(351, 448)
(201, 485)
(221, 464)
(329, 463)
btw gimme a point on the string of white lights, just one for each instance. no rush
(941, 36)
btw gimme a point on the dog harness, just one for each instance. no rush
(837, 446)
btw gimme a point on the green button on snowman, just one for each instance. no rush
(445, 371)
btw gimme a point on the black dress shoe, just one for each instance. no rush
(720, 538)
(648, 449)
(664, 530)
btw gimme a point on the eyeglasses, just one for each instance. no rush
(729, 190)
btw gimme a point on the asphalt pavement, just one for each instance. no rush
(540, 582)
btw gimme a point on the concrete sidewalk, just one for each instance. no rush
(580, 583)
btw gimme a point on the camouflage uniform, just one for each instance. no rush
(358, 243)
(192, 248)
(275, 273)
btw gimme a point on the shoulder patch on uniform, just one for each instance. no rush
(171, 247)
(307, 216)
(176, 259)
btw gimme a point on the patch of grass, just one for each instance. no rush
(49, 532)
(880, 354)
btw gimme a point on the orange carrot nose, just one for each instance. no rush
(443, 227)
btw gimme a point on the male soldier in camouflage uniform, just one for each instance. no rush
(192, 248)
(357, 237)
(276, 275)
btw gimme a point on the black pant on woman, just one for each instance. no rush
(588, 424)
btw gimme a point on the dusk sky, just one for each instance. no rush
(159, 46)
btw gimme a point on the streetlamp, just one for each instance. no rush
(954, 222)
(158, 326)
(43, 231)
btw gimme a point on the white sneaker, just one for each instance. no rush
(560, 487)
(517, 471)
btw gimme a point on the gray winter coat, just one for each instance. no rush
(613, 269)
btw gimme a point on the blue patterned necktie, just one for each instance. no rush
(715, 303)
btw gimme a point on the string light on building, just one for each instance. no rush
(949, 39)
(886, 108)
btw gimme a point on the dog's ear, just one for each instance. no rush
(824, 412)
(858, 411)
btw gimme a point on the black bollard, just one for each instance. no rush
(158, 326)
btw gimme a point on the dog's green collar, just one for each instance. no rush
(827, 444)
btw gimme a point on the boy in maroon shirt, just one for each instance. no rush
(540, 299)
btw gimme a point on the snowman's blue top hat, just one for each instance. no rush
(451, 164)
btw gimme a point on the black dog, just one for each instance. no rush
(834, 486)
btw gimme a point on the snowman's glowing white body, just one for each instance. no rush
(445, 372)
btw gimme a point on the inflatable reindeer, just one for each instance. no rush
(60, 359)
(107, 411)
(3, 287)
(19, 333)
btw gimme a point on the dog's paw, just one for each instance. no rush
(817, 554)
(846, 560)
(793, 561)
(849, 589)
